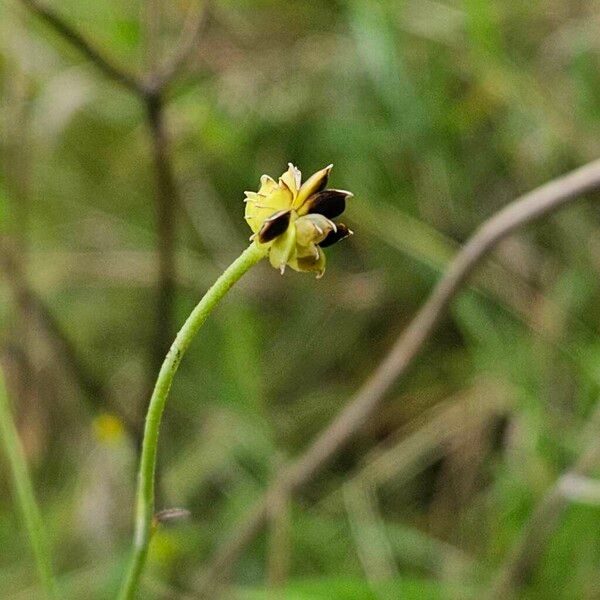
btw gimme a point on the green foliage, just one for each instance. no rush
(435, 114)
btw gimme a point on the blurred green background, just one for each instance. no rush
(435, 114)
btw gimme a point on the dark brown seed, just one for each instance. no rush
(274, 226)
(329, 203)
(336, 236)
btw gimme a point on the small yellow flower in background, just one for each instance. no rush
(108, 428)
(294, 219)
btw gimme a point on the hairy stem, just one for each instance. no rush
(145, 492)
(24, 495)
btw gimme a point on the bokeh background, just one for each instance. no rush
(435, 114)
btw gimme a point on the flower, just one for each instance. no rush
(294, 221)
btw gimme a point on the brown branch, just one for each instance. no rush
(61, 345)
(523, 211)
(167, 198)
(161, 75)
(544, 520)
(188, 41)
(87, 48)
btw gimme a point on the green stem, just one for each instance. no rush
(145, 492)
(25, 497)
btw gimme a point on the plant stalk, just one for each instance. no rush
(24, 494)
(145, 491)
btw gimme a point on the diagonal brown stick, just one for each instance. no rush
(57, 339)
(159, 80)
(528, 208)
(79, 41)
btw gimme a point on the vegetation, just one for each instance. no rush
(131, 131)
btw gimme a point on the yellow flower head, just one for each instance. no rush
(294, 219)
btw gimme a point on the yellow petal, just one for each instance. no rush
(314, 261)
(282, 249)
(312, 229)
(315, 183)
(291, 178)
(267, 185)
(259, 207)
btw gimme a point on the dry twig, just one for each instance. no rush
(61, 345)
(78, 40)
